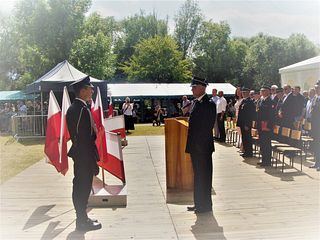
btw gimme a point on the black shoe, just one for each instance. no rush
(92, 220)
(313, 166)
(259, 163)
(190, 209)
(265, 165)
(199, 211)
(87, 225)
(246, 155)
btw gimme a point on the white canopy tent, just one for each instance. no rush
(303, 74)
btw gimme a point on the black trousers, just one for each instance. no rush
(246, 140)
(265, 146)
(82, 184)
(202, 169)
(316, 149)
(221, 127)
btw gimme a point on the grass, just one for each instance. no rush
(17, 156)
(146, 130)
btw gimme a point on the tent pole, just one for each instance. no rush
(42, 128)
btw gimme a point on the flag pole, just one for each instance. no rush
(103, 182)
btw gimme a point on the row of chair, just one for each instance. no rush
(286, 142)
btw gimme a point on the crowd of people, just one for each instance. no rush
(21, 108)
(285, 107)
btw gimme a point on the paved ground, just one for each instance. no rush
(249, 202)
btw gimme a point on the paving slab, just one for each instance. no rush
(249, 202)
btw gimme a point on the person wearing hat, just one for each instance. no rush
(315, 126)
(200, 145)
(83, 152)
(265, 117)
(247, 111)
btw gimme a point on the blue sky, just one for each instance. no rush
(246, 18)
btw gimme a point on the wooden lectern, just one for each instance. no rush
(179, 172)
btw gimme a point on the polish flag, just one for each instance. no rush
(114, 163)
(116, 125)
(64, 133)
(51, 147)
(97, 114)
(110, 108)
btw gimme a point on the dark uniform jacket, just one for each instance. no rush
(265, 113)
(82, 133)
(201, 122)
(247, 112)
(315, 118)
(288, 111)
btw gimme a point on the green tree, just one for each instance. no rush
(212, 52)
(157, 60)
(135, 29)
(265, 56)
(187, 23)
(237, 53)
(93, 55)
(44, 31)
(299, 48)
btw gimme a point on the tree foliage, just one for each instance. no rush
(42, 33)
(187, 23)
(135, 29)
(157, 60)
(212, 51)
(92, 54)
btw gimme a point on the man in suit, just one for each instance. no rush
(265, 117)
(315, 126)
(83, 152)
(200, 145)
(287, 110)
(246, 115)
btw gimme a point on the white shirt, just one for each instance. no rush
(308, 108)
(215, 99)
(221, 105)
(127, 109)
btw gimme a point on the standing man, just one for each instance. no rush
(186, 106)
(265, 116)
(315, 126)
(83, 152)
(200, 145)
(221, 109)
(215, 99)
(287, 109)
(247, 111)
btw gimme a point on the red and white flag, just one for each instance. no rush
(51, 147)
(64, 133)
(116, 125)
(110, 108)
(114, 163)
(97, 114)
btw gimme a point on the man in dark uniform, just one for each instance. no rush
(265, 116)
(315, 126)
(200, 145)
(287, 109)
(83, 152)
(246, 115)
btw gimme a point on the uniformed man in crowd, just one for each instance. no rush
(265, 117)
(315, 126)
(247, 111)
(200, 145)
(83, 152)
